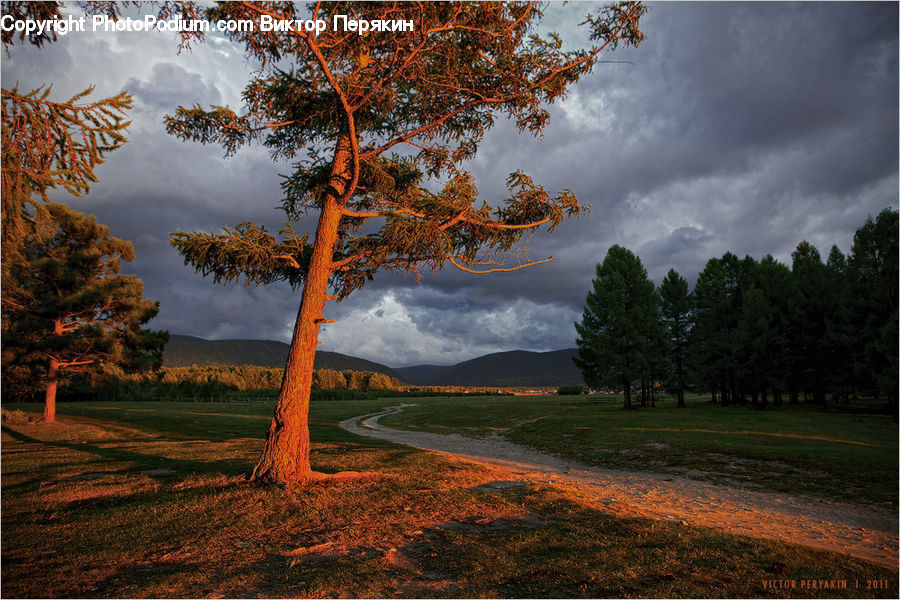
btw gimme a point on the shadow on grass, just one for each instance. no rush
(143, 462)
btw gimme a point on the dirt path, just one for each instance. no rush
(868, 532)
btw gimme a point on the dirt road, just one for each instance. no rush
(868, 532)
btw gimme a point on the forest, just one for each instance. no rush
(751, 330)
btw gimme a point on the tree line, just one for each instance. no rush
(751, 331)
(115, 383)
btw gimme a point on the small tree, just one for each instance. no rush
(82, 311)
(375, 116)
(618, 336)
(675, 310)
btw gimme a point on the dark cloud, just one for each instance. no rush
(742, 127)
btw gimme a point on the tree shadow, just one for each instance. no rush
(143, 462)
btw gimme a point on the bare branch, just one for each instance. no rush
(530, 263)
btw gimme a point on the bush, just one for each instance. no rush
(18, 417)
(571, 390)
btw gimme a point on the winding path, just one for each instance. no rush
(867, 532)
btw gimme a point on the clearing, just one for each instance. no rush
(866, 531)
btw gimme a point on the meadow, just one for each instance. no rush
(848, 455)
(147, 499)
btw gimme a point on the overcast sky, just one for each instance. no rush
(733, 127)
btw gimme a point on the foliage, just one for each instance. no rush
(211, 382)
(751, 330)
(379, 126)
(872, 276)
(63, 300)
(620, 334)
(675, 308)
(47, 145)
(364, 97)
(81, 311)
(571, 390)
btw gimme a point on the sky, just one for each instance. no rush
(741, 127)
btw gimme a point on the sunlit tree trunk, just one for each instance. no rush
(50, 396)
(285, 456)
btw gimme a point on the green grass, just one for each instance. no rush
(146, 500)
(836, 455)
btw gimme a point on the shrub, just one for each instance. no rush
(571, 390)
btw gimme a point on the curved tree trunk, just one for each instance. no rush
(285, 456)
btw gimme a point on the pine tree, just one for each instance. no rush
(618, 336)
(379, 124)
(809, 306)
(48, 145)
(712, 344)
(675, 309)
(82, 312)
(874, 272)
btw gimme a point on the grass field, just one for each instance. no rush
(798, 450)
(146, 500)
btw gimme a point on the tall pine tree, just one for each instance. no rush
(618, 336)
(676, 305)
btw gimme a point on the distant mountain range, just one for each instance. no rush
(185, 350)
(503, 369)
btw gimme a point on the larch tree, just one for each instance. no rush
(379, 123)
(618, 336)
(50, 144)
(675, 310)
(712, 342)
(873, 270)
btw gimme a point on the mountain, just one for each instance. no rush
(502, 369)
(517, 368)
(185, 350)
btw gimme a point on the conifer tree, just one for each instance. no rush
(618, 336)
(717, 307)
(873, 266)
(675, 310)
(379, 123)
(81, 311)
(48, 145)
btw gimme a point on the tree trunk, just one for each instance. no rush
(285, 456)
(50, 396)
(680, 397)
(627, 395)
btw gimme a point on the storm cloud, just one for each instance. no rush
(733, 127)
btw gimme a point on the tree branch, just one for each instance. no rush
(530, 263)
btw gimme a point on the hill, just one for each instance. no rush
(185, 350)
(502, 369)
